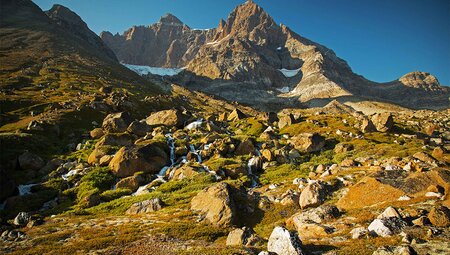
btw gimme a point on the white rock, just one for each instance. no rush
(404, 198)
(433, 194)
(358, 233)
(377, 226)
(389, 213)
(284, 242)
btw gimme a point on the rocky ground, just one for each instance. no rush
(328, 181)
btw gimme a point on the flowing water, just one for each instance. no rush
(25, 189)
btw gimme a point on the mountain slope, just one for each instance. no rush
(57, 76)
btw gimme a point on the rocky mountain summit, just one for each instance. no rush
(250, 54)
(168, 43)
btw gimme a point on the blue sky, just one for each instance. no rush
(380, 39)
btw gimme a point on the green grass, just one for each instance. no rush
(286, 172)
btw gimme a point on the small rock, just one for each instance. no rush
(313, 195)
(146, 206)
(22, 219)
(30, 161)
(358, 233)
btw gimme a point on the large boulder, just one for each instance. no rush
(132, 183)
(245, 147)
(284, 242)
(151, 205)
(217, 203)
(30, 161)
(148, 158)
(308, 142)
(383, 122)
(286, 121)
(235, 115)
(169, 118)
(440, 216)
(367, 126)
(313, 195)
(139, 128)
(242, 237)
(117, 122)
(22, 219)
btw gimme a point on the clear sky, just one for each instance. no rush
(380, 39)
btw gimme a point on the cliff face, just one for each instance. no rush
(168, 43)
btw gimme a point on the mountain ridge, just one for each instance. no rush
(249, 47)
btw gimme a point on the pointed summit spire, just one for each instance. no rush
(170, 19)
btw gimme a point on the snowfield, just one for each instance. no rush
(144, 70)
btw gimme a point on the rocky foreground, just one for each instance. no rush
(317, 181)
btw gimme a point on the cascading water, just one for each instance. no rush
(171, 143)
(196, 152)
(2, 206)
(25, 189)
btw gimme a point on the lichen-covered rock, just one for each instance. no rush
(149, 158)
(116, 122)
(308, 142)
(383, 122)
(313, 195)
(440, 216)
(169, 118)
(217, 204)
(152, 205)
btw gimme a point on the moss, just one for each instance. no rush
(286, 172)
(97, 180)
(188, 231)
(110, 195)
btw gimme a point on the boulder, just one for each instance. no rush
(358, 233)
(132, 183)
(367, 126)
(308, 142)
(148, 158)
(151, 205)
(268, 155)
(117, 122)
(286, 121)
(217, 204)
(139, 128)
(383, 122)
(169, 118)
(22, 219)
(242, 237)
(440, 216)
(30, 161)
(245, 147)
(182, 172)
(284, 242)
(310, 222)
(313, 195)
(386, 226)
(235, 115)
(389, 212)
(96, 133)
(343, 148)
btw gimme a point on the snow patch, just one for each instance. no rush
(145, 70)
(289, 73)
(284, 90)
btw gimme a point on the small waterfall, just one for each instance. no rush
(2, 206)
(196, 152)
(253, 163)
(70, 173)
(171, 143)
(25, 189)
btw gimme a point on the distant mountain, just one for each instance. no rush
(168, 43)
(251, 59)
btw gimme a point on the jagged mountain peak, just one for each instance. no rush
(249, 21)
(170, 19)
